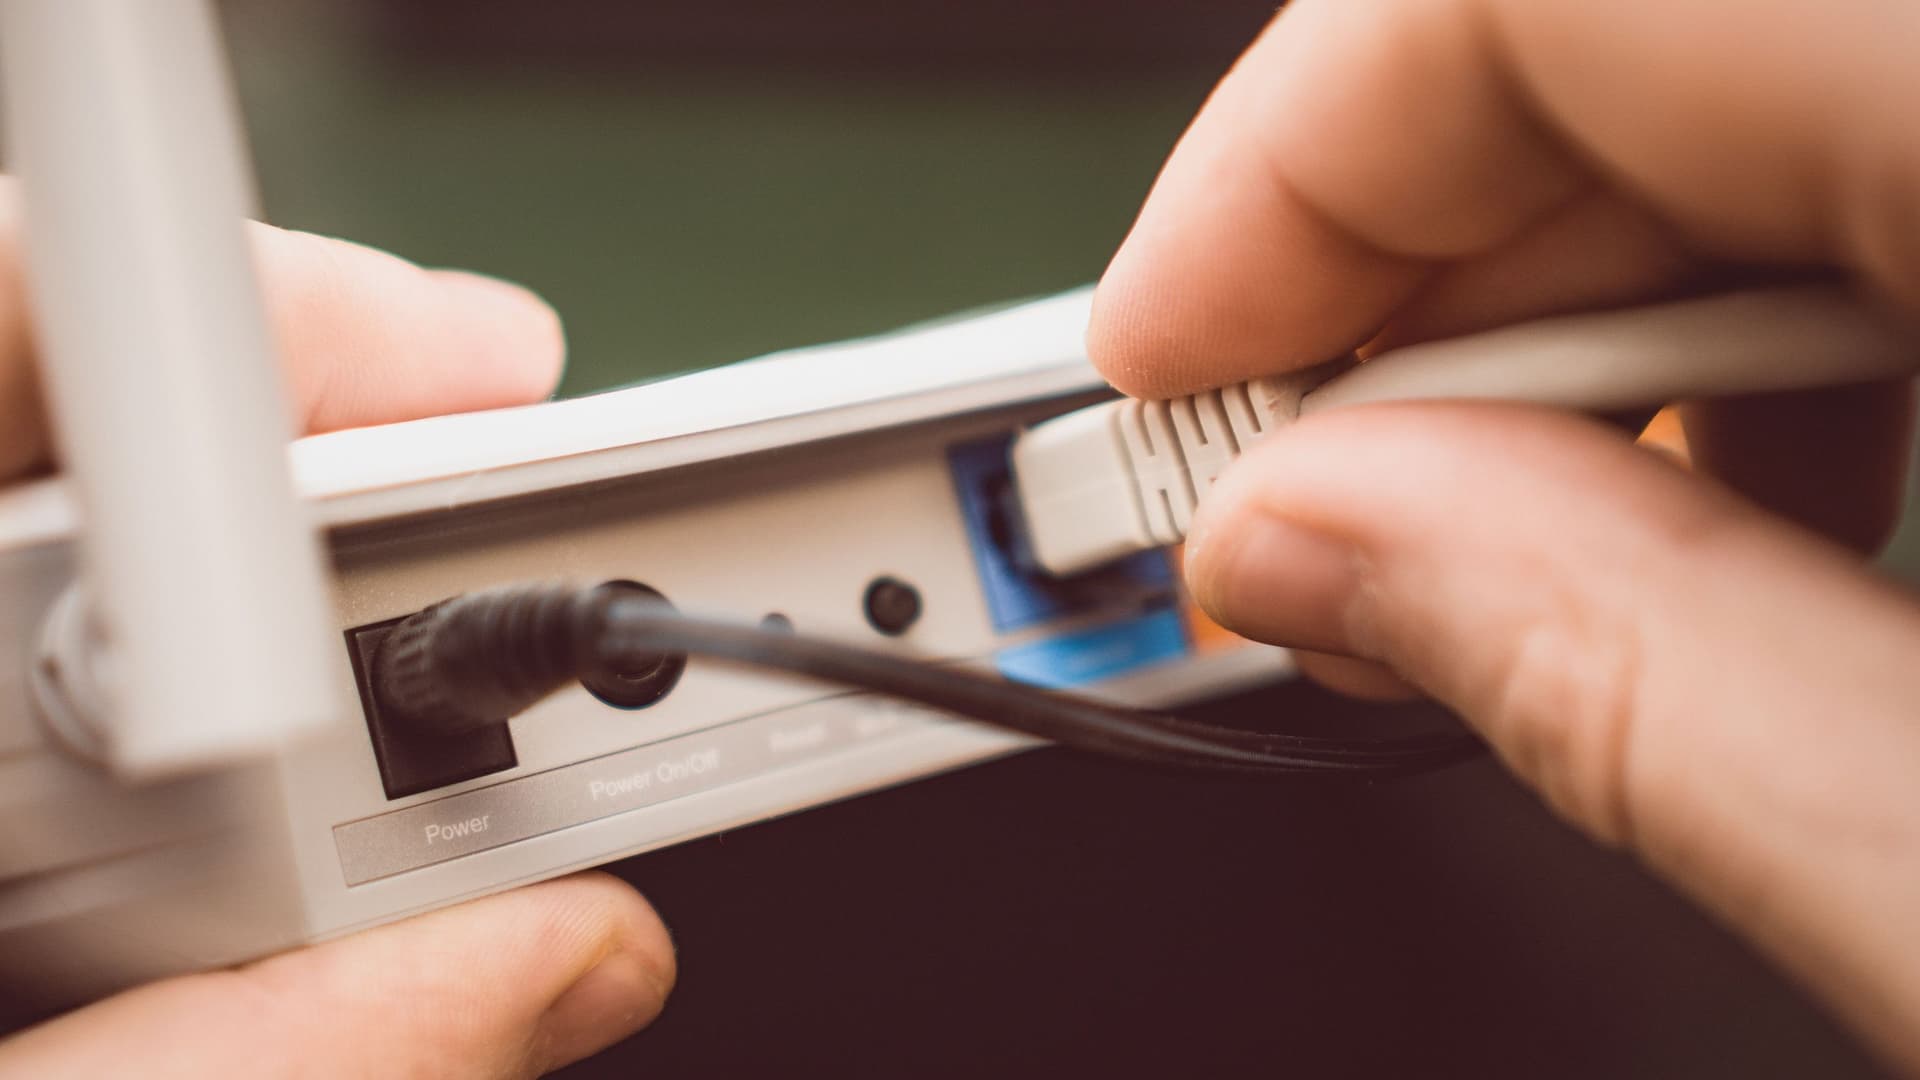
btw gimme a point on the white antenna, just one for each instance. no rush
(203, 579)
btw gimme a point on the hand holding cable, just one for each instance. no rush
(1684, 663)
(1125, 476)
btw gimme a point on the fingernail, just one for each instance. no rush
(1275, 580)
(617, 997)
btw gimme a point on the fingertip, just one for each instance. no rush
(370, 338)
(1363, 680)
(528, 345)
(1269, 575)
(635, 926)
(620, 996)
(516, 984)
(1191, 302)
(625, 990)
(1135, 351)
(598, 917)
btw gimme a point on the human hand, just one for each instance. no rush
(509, 985)
(1682, 664)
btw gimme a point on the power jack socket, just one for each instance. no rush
(647, 681)
(412, 761)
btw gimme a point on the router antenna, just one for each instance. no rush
(202, 574)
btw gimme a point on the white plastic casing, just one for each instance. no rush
(1076, 477)
(784, 486)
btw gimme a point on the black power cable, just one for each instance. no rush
(485, 656)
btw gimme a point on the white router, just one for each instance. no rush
(190, 776)
(193, 770)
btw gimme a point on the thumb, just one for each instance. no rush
(507, 986)
(1676, 672)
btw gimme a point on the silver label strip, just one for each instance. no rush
(529, 806)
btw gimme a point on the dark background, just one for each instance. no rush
(696, 182)
(1050, 915)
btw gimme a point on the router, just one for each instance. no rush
(197, 762)
(211, 785)
(797, 489)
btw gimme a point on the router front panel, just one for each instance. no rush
(799, 536)
(797, 489)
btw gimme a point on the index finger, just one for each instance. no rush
(1360, 146)
(364, 338)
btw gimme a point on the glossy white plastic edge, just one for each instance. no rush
(921, 372)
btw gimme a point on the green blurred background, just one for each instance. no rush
(682, 213)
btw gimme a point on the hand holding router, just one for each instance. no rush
(216, 834)
(1125, 476)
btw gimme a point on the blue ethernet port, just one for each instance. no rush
(1018, 593)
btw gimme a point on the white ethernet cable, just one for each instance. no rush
(1125, 476)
